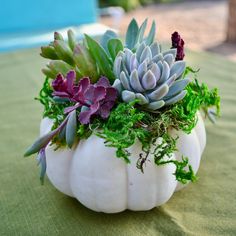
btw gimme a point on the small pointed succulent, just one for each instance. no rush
(68, 55)
(89, 57)
(133, 38)
(152, 77)
(135, 35)
(86, 58)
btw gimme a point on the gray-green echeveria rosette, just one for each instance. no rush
(152, 77)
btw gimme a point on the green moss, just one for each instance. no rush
(123, 128)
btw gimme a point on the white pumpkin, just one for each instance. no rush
(93, 174)
(201, 132)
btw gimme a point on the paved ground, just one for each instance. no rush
(202, 24)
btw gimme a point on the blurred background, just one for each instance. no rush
(205, 25)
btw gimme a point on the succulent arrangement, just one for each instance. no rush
(152, 77)
(122, 92)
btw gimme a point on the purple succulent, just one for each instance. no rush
(178, 43)
(175, 37)
(94, 99)
(98, 98)
(65, 87)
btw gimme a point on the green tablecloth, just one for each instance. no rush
(207, 207)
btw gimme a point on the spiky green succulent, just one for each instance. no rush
(133, 38)
(86, 58)
(149, 75)
(135, 35)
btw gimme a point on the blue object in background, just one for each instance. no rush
(33, 15)
(22, 19)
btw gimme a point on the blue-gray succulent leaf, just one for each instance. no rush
(155, 49)
(142, 100)
(171, 80)
(146, 55)
(124, 68)
(211, 114)
(133, 63)
(127, 57)
(148, 81)
(155, 105)
(141, 31)
(117, 66)
(131, 34)
(127, 53)
(160, 65)
(117, 85)
(156, 71)
(176, 98)
(128, 96)
(140, 50)
(142, 69)
(124, 81)
(135, 82)
(109, 34)
(150, 38)
(62, 134)
(41, 160)
(172, 51)
(177, 87)
(178, 68)
(158, 58)
(169, 58)
(165, 73)
(159, 93)
(71, 129)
